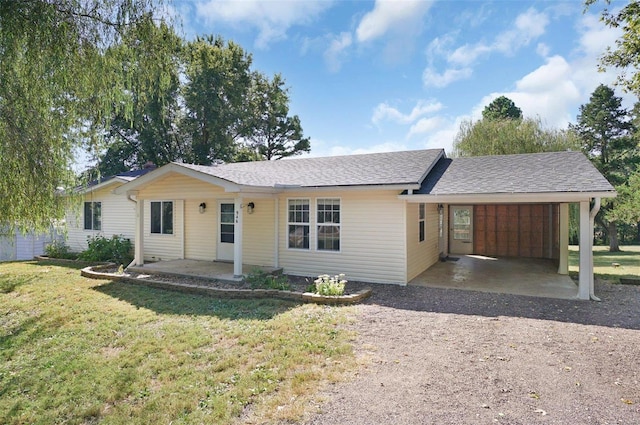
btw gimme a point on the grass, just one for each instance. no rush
(81, 351)
(604, 262)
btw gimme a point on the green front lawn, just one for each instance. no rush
(610, 265)
(81, 351)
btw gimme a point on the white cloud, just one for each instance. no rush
(382, 147)
(527, 27)
(543, 50)
(431, 78)
(335, 53)
(391, 15)
(271, 19)
(386, 112)
(425, 125)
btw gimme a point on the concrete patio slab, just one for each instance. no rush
(519, 276)
(206, 269)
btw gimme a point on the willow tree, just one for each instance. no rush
(57, 77)
(510, 136)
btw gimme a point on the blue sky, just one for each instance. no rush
(370, 76)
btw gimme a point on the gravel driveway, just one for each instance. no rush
(442, 356)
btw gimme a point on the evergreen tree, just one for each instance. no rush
(607, 135)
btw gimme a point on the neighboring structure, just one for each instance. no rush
(102, 212)
(382, 217)
(19, 246)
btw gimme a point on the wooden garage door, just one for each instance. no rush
(516, 230)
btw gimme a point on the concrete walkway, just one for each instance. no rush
(519, 276)
(207, 269)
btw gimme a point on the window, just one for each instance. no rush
(298, 223)
(421, 222)
(92, 216)
(162, 217)
(328, 224)
(227, 226)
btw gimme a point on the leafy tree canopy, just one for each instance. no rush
(272, 132)
(503, 137)
(57, 74)
(626, 54)
(502, 108)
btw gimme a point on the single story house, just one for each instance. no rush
(102, 213)
(382, 217)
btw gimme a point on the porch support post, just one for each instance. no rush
(586, 246)
(237, 239)
(139, 243)
(276, 248)
(563, 267)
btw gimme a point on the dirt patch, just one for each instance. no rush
(443, 356)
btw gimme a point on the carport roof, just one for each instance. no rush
(549, 172)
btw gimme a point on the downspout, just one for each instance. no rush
(592, 216)
(135, 201)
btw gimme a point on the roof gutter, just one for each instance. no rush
(506, 198)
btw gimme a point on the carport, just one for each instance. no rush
(508, 275)
(505, 216)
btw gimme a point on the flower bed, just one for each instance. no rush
(216, 288)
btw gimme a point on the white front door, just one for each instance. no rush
(226, 230)
(461, 230)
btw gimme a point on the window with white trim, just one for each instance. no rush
(421, 216)
(328, 224)
(298, 223)
(162, 217)
(92, 215)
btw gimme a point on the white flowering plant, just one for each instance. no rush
(330, 285)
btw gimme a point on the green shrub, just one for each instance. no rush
(259, 279)
(58, 249)
(117, 249)
(327, 285)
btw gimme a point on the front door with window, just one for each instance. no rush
(461, 230)
(226, 230)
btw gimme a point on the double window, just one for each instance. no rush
(327, 224)
(92, 216)
(162, 217)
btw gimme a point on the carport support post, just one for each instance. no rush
(586, 247)
(237, 239)
(563, 266)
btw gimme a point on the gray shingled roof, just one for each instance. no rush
(389, 168)
(525, 173)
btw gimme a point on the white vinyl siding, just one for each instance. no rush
(118, 218)
(258, 237)
(372, 239)
(421, 255)
(200, 229)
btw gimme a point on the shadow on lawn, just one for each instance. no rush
(163, 301)
(620, 306)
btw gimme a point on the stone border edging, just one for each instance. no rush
(93, 272)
